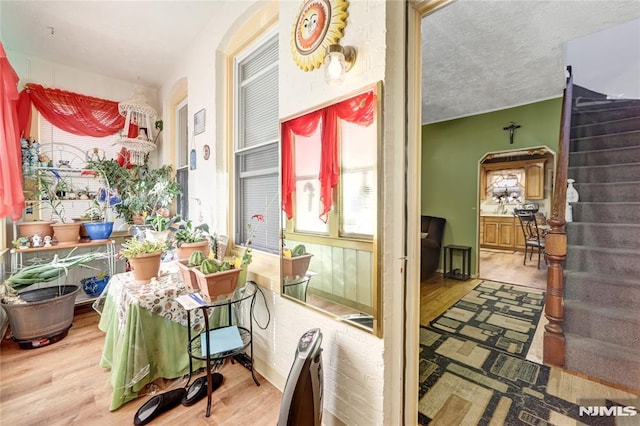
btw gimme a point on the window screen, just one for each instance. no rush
(256, 144)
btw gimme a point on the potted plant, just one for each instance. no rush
(216, 278)
(118, 178)
(150, 190)
(51, 188)
(187, 269)
(43, 315)
(101, 229)
(295, 262)
(144, 257)
(190, 238)
(162, 225)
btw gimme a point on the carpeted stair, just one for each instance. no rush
(602, 271)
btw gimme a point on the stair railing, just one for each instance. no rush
(556, 241)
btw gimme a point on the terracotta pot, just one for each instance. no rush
(188, 275)
(40, 227)
(66, 233)
(185, 250)
(145, 266)
(295, 266)
(218, 283)
(137, 219)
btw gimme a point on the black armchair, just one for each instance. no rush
(432, 231)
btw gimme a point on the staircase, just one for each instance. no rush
(602, 271)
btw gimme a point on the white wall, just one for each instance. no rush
(608, 61)
(363, 374)
(31, 69)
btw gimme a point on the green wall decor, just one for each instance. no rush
(451, 151)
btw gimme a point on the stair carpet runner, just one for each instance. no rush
(602, 271)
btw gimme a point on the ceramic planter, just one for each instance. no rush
(45, 318)
(295, 266)
(94, 286)
(188, 275)
(145, 266)
(98, 231)
(218, 283)
(66, 233)
(40, 227)
(185, 250)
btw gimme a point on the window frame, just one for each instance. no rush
(239, 151)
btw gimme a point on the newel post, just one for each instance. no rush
(556, 253)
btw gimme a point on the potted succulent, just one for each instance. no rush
(190, 238)
(295, 262)
(43, 315)
(216, 278)
(144, 257)
(187, 269)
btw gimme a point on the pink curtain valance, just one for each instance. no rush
(359, 110)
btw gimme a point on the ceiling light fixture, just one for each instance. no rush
(338, 62)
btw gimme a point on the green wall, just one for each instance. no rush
(450, 154)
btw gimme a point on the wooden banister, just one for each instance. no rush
(556, 241)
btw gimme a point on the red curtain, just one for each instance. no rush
(11, 197)
(303, 126)
(359, 109)
(74, 113)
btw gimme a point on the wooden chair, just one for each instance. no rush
(533, 237)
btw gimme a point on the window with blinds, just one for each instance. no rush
(71, 150)
(182, 169)
(256, 144)
(68, 151)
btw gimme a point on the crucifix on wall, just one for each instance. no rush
(512, 129)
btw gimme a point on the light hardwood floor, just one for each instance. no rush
(62, 384)
(507, 267)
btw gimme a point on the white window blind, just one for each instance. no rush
(256, 144)
(59, 145)
(182, 169)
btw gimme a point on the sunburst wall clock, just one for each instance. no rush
(318, 24)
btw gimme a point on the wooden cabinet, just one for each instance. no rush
(533, 177)
(501, 232)
(497, 232)
(534, 181)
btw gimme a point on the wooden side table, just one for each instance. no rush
(450, 271)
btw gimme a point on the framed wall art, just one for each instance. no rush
(318, 24)
(198, 122)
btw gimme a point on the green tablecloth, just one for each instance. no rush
(140, 345)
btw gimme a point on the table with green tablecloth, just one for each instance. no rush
(146, 332)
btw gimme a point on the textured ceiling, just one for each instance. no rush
(478, 56)
(481, 56)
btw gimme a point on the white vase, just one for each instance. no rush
(572, 194)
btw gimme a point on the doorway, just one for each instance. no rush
(511, 180)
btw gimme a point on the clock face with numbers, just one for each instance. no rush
(318, 24)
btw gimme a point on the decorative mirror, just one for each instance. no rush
(330, 185)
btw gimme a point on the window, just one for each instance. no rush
(66, 150)
(358, 186)
(256, 143)
(356, 203)
(71, 150)
(182, 166)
